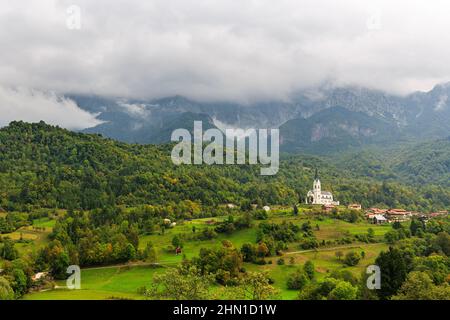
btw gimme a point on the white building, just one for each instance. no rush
(379, 219)
(317, 196)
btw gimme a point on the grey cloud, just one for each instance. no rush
(223, 50)
(33, 106)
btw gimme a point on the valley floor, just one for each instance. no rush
(123, 281)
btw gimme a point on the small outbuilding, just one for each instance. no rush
(379, 219)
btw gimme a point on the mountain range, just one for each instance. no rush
(322, 121)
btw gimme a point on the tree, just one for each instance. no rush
(297, 280)
(150, 253)
(343, 291)
(394, 267)
(436, 266)
(391, 236)
(419, 286)
(415, 226)
(130, 252)
(19, 282)
(262, 250)
(181, 283)
(309, 269)
(55, 258)
(397, 225)
(177, 242)
(6, 292)
(256, 286)
(352, 258)
(8, 252)
(442, 241)
(318, 290)
(295, 211)
(248, 252)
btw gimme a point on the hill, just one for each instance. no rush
(46, 166)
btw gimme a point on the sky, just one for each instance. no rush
(209, 50)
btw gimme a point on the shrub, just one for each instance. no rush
(352, 258)
(297, 280)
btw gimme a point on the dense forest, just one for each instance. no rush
(42, 166)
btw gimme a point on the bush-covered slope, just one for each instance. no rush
(45, 166)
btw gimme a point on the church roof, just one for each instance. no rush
(327, 193)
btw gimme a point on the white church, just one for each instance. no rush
(317, 196)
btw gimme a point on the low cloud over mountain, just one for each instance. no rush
(34, 106)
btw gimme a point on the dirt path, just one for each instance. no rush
(350, 246)
(136, 264)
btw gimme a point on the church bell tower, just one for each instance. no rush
(317, 188)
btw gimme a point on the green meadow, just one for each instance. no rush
(123, 282)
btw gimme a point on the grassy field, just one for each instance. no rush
(46, 223)
(103, 283)
(122, 282)
(36, 239)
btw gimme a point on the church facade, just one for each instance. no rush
(317, 196)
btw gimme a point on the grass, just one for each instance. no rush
(192, 248)
(331, 229)
(38, 239)
(103, 283)
(46, 223)
(123, 282)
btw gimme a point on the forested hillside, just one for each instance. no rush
(45, 166)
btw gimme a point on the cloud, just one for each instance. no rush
(33, 106)
(224, 50)
(138, 111)
(442, 103)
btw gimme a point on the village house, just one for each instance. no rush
(399, 215)
(377, 211)
(355, 206)
(230, 206)
(328, 207)
(379, 219)
(372, 212)
(266, 208)
(438, 214)
(39, 276)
